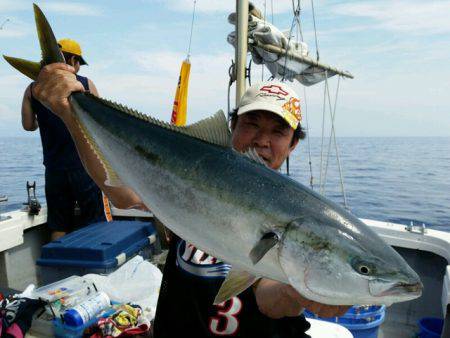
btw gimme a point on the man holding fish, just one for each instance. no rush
(284, 241)
(262, 123)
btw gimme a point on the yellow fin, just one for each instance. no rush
(28, 68)
(236, 282)
(51, 52)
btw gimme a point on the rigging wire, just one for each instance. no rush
(332, 131)
(265, 14)
(295, 21)
(311, 178)
(315, 30)
(333, 136)
(192, 29)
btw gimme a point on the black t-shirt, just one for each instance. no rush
(57, 145)
(185, 308)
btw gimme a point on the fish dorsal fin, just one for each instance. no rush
(253, 155)
(236, 282)
(213, 129)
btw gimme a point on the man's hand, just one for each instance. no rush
(53, 87)
(277, 300)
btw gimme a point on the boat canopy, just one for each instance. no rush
(285, 58)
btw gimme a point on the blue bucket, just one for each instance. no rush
(361, 321)
(430, 327)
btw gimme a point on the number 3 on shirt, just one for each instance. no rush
(226, 322)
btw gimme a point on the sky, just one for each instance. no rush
(398, 52)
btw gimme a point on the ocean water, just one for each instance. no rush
(400, 180)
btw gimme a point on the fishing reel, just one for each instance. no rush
(32, 206)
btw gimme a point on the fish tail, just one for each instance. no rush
(50, 49)
(28, 68)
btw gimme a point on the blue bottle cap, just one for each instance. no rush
(72, 318)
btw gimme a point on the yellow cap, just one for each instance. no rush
(72, 47)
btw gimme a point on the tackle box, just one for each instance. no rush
(97, 248)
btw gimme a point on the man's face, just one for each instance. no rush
(75, 62)
(267, 133)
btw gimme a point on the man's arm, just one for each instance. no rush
(53, 87)
(29, 121)
(277, 300)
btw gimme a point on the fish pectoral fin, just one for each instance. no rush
(267, 242)
(236, 282)
(213, 129)
(28, 68)
(252, 154)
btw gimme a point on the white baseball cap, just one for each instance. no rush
(273, 96)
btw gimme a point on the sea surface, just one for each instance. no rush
(400, 180)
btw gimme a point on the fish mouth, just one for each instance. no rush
(401, 288)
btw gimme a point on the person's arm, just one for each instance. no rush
(53, 87)
(29, 121)
(277, 300)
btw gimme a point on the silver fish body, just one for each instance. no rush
(224, 203)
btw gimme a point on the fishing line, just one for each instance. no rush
(192, 29)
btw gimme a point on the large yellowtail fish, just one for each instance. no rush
(234, 207)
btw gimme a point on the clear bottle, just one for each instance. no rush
(87, 310)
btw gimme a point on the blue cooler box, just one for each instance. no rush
(97, 248)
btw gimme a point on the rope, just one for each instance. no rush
(192, 29)
(315, 30)
(311, 178)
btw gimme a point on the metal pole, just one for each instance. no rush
(297, 57)
(241, 48)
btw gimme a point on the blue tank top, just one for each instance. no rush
(58, 147)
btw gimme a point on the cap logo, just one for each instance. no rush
(293, 107)
(274, 89)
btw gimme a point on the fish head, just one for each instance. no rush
(339, 261)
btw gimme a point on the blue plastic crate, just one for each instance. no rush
(97, 248)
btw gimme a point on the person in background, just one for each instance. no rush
(73, 199)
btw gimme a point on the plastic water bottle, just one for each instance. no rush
(85, 311)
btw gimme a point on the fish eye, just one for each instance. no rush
(363, 270)
(363, 267)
